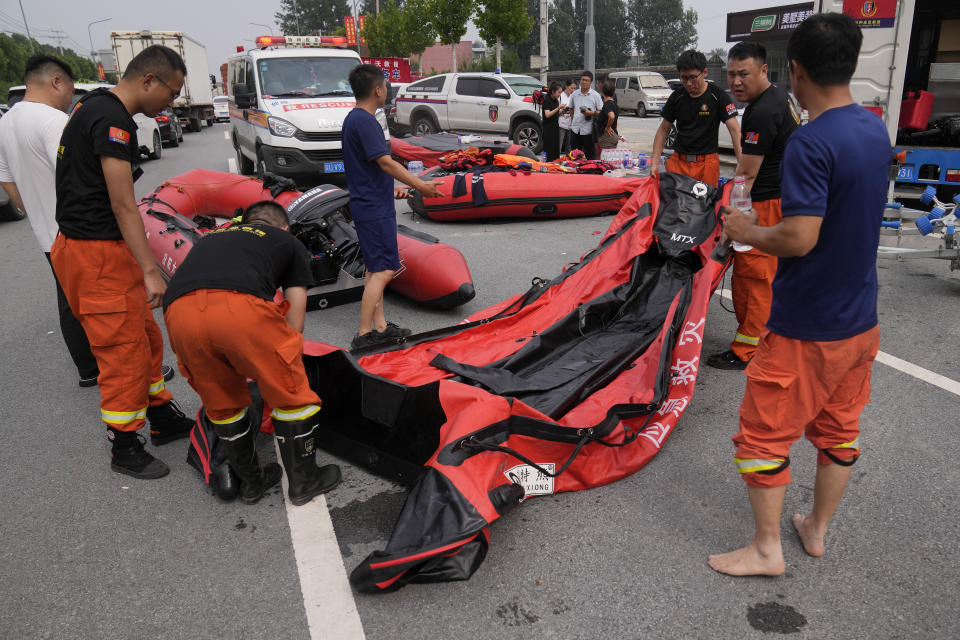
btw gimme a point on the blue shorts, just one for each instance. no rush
(378, 244)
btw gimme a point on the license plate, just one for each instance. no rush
(905, 173)
(333, 167)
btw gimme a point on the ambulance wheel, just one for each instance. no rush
(261, 165)
(244, 165)
(641, 110)
(157, 149)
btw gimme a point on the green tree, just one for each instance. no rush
(15, 50)
(663, 29)
(399, 32)
(614, 33)
(511, 63)
(499, 20)
(449, 19)
(717, 52)
(566, 41)
(311, 17)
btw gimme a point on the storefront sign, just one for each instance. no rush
(871, 13)
(773, 23)
(394, 69)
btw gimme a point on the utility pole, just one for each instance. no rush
(59, 38)
(544, 20)
(29, 37)
(590, 42)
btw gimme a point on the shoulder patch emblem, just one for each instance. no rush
(118, 135)
(751, 137)
(731, 108)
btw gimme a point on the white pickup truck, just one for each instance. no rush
(473, 102)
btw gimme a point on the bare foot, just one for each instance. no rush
(811, 539)
(748, 561)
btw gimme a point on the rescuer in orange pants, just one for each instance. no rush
(104, 264)
(704, 167)
(225, 328)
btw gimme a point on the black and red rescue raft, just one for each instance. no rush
(575, 383)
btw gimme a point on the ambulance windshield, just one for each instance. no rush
(305, 77)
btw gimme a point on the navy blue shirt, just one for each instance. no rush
(836, 168)
(371, 188)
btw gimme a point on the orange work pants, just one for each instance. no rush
(221, 338)
(706, 169)
(104, 287)
(802, 386)
(752, 286)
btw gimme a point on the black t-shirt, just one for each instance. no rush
(249, 258)
(609, 106)
(698, 119)
(98, 126)
(767, 123)
(549, 104)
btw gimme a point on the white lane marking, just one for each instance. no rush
(902, 366)
(327, 597)
(232, 165)
(226, 135)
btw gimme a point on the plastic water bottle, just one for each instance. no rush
(543, 156)
(415, 167)
(740, 199)
(642, 160)
(627, 163)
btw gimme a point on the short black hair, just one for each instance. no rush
(691, 60)
(608, 88)
(747, 49)
(588, 73)
(157, 59)
(364, 79)
(568, 82)
(266, 211)
(554, 86)
(827, 45)
(42, 65)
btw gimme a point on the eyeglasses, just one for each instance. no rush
(173, 94)
(692, 78)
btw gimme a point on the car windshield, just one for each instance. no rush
(524, 85)
(305, 77)
(653, 82)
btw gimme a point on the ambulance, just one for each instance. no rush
(288, 100)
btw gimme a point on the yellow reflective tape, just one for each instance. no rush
(749, 465)
(290, 415)
(156, 387)
(848, 445)
(747, 339)
(122, 417)
(234, 418)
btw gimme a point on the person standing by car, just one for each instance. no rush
(697, 110)
(551, 122)
(585, 103)
(370, 172)
(770, 118)
(566, 116)
(104, 263)
(609, 114)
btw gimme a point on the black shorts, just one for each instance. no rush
(378, 244)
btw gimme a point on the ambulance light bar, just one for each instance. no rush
(302, 41)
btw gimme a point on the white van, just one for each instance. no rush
(641, 91)
(288, 101)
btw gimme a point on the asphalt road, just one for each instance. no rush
(91, 554)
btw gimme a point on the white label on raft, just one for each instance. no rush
(533, 481)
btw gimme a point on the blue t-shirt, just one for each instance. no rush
(371, 188)
(835, 167)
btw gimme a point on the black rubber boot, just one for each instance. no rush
(296, 441)
(238, 441)
(168, 423)
(129, 457)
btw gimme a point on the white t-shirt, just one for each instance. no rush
(29, 137)
(565, 120)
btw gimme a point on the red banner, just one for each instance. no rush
(351, 27)
(100, 72)
(394, 69)
(871, 13)
(361, 20)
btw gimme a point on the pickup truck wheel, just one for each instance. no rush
(641, 110)
(528, 134)
(157, 149)
(244, 165)
(423, 126)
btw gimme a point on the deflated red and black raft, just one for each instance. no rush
(429, 149)
(177, 212)
(573, 384)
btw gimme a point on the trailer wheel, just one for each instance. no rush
(195, 125)
(157, 149)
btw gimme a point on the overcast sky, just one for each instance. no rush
(221, 25)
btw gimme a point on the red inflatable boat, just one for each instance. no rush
(177, 212)
(524, 194)
(428, 149)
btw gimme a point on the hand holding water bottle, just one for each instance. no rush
(740, 200)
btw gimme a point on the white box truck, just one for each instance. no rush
(195, 104)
